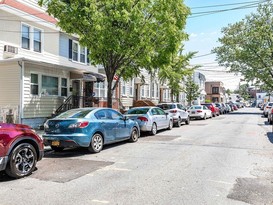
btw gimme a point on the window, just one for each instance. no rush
(123, 87)
(25, 37)
(75, 47)
(156, 88)
(49, 85)
(152, 90)
(143, 91)
(34, 86)
(100, 89)
(131, 87)
(64, 87)
(215, 99)
(215, 90)
(147, 89)
(37, 40)
(82, 55)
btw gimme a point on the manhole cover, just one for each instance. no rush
(64, 170)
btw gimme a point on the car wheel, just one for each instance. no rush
(188, 121)
(178, 124)
(170, 125)
(154, 129)
(134, 135)
(57, 149)
(96, 143)
(22, 161)
(205, 117)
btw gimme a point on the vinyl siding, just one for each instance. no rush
(38, 105)
(10, 85)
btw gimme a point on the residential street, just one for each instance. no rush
(223, 160)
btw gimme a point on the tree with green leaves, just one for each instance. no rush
(175, 73)
(191, 90)
(124, 35)
(247, 46)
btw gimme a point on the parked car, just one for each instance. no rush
(228, 108)
(177, 111)
(150, 118)
(200, 112)
(20, 149)
(267, 107)
(270, 116)
(215, 110)
(89, 127)
(221, 108)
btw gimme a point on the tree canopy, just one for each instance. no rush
(191, 90)
(124, 35)
(247, 46)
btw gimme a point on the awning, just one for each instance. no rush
(88, 76)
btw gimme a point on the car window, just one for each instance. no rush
(74, 113)
(197, 107)
(160, 112)
(154, 111)
(138, 111)
(101, 115)
(205, 107)
(166, 106)
(114, 115)
(181, 107)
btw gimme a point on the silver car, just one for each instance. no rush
(177, 111)
(267, 108)
(150, 119)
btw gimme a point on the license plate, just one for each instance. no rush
(55, 143)
(192, 112)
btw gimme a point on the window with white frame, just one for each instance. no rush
(64, 87)
(131, 87)
(49, 85)
(153, 90)
(143, 91)
(123, 88)
(100, 89)
(157, 90)
(25, 37)
(34, 84)
(37, 40)
(75, 51)
(82, 54)
(147, 90)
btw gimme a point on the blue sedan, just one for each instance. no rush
(89, 127)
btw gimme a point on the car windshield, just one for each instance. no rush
(138, 111)
(195, 107)
(166, 106)
(78, 113)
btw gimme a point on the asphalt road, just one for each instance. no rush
(224, 160)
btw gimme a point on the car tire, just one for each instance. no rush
(154, 129)
(170, 125)
(22, 161)
(134, 135)
(188, 121)
(205, 117)
(178, 124)
(96, 143)
(57, 149)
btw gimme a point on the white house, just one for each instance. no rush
(40, 65)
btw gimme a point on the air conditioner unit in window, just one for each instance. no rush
(11, 49)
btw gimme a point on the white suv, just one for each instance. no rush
(267, 107)
(177, 111)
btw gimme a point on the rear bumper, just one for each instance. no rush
(79, 140)
(3, 162)
(63, 143)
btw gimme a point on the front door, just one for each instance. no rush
(76, 92)
(88, 94)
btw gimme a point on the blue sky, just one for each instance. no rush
(204, 31)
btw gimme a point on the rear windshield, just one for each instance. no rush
(75, 113)
(195, 107)
(166, 106)
(138, 111)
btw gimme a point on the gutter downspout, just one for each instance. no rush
(21, 106)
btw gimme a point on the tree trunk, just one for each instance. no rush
(109, 95)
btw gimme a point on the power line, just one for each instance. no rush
(222, 5)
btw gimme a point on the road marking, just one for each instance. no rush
(99, 201)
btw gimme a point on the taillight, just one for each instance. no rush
(198, 110)
(143, 119)
(79, 125)
(268, 107)
(272, 111)
(173, 111)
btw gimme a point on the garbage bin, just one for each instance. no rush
(10, 117)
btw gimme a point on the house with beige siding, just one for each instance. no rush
(40, 65)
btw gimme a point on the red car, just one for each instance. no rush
(214, 110)
(20, 149)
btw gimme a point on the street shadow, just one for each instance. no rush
(6, 178)
(79, 151)
(245, 113)
(270, 136)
